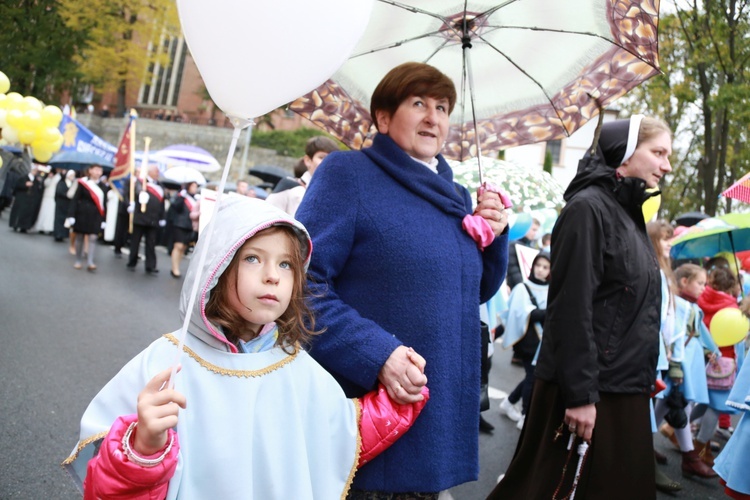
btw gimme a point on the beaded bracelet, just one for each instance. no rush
(136, 459)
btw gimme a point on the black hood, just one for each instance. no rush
(598, 169)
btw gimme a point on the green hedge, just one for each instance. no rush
(288, 142)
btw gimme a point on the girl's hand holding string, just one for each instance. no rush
(158, 409)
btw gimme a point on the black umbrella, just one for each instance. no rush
(690, 218)
(269, 173)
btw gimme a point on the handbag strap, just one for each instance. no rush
(531, 295)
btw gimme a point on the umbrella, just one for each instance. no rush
(184, 175)
(690, 218)
(726, 233)
(740, 190)
(269, 173)
(184, 155)
(538, 65)
(529, 189)
(76, 160)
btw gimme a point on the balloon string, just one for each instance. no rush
(209, 232)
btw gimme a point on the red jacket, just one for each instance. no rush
(712, 301)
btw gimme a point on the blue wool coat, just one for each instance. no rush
(392, 266)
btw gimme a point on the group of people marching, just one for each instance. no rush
(83, 206)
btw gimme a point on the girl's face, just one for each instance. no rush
(541, 269)
(666, 246)
(695, 286)
(264, 281)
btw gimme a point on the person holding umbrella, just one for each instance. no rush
(86, 214)
(398, 265)
(597, 362)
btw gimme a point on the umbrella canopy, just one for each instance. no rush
(185, 155)
(529, 189)
(740, 190)
(536, 65)
(184, 175)
(75, 160)
(726, 233)
(269, 173)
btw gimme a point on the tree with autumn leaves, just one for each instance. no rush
(704, 94)
(123, 40)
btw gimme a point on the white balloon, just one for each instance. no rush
(10, 134)
(255, 56)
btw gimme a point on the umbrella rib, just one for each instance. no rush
(570, 32)
(536, 82)
(413, 9)
(396, 44)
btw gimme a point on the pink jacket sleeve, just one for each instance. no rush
(111, 475)
(384, 421)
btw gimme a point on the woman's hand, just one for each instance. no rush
(581, 420)
(491, 209)
(403, 375)
(158, 408)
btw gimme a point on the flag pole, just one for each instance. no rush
(132, 169)
(144, 170)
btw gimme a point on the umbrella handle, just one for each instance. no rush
(599, 123)
(488, 187)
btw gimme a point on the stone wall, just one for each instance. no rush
(215, 140)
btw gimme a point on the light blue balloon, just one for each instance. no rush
(520, 226)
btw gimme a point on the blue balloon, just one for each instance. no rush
(520, 226)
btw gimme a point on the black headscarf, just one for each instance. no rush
(618, 140)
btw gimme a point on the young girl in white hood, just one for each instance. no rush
(252, 415)
(527, 306)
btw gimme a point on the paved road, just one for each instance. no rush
(65, 333)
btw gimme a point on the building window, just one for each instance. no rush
(553, 148)
(163, 88)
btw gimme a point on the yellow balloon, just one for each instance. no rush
(49, 134)
(3, 118)
(26, 136)
(729, 326)
(651, 206)
(32, 120)
(4, 83)
(14, 118)
(1, 162)
(42, 155)
(41, 145)
(51, 116)
(3, 101)
(32, 103)
(14, 100)
(55, 146)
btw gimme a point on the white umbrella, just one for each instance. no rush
(539, 66)
(184, 175)
(185, 155)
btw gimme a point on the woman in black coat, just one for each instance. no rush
(597, 362)
(62, 204)
(87, 213)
